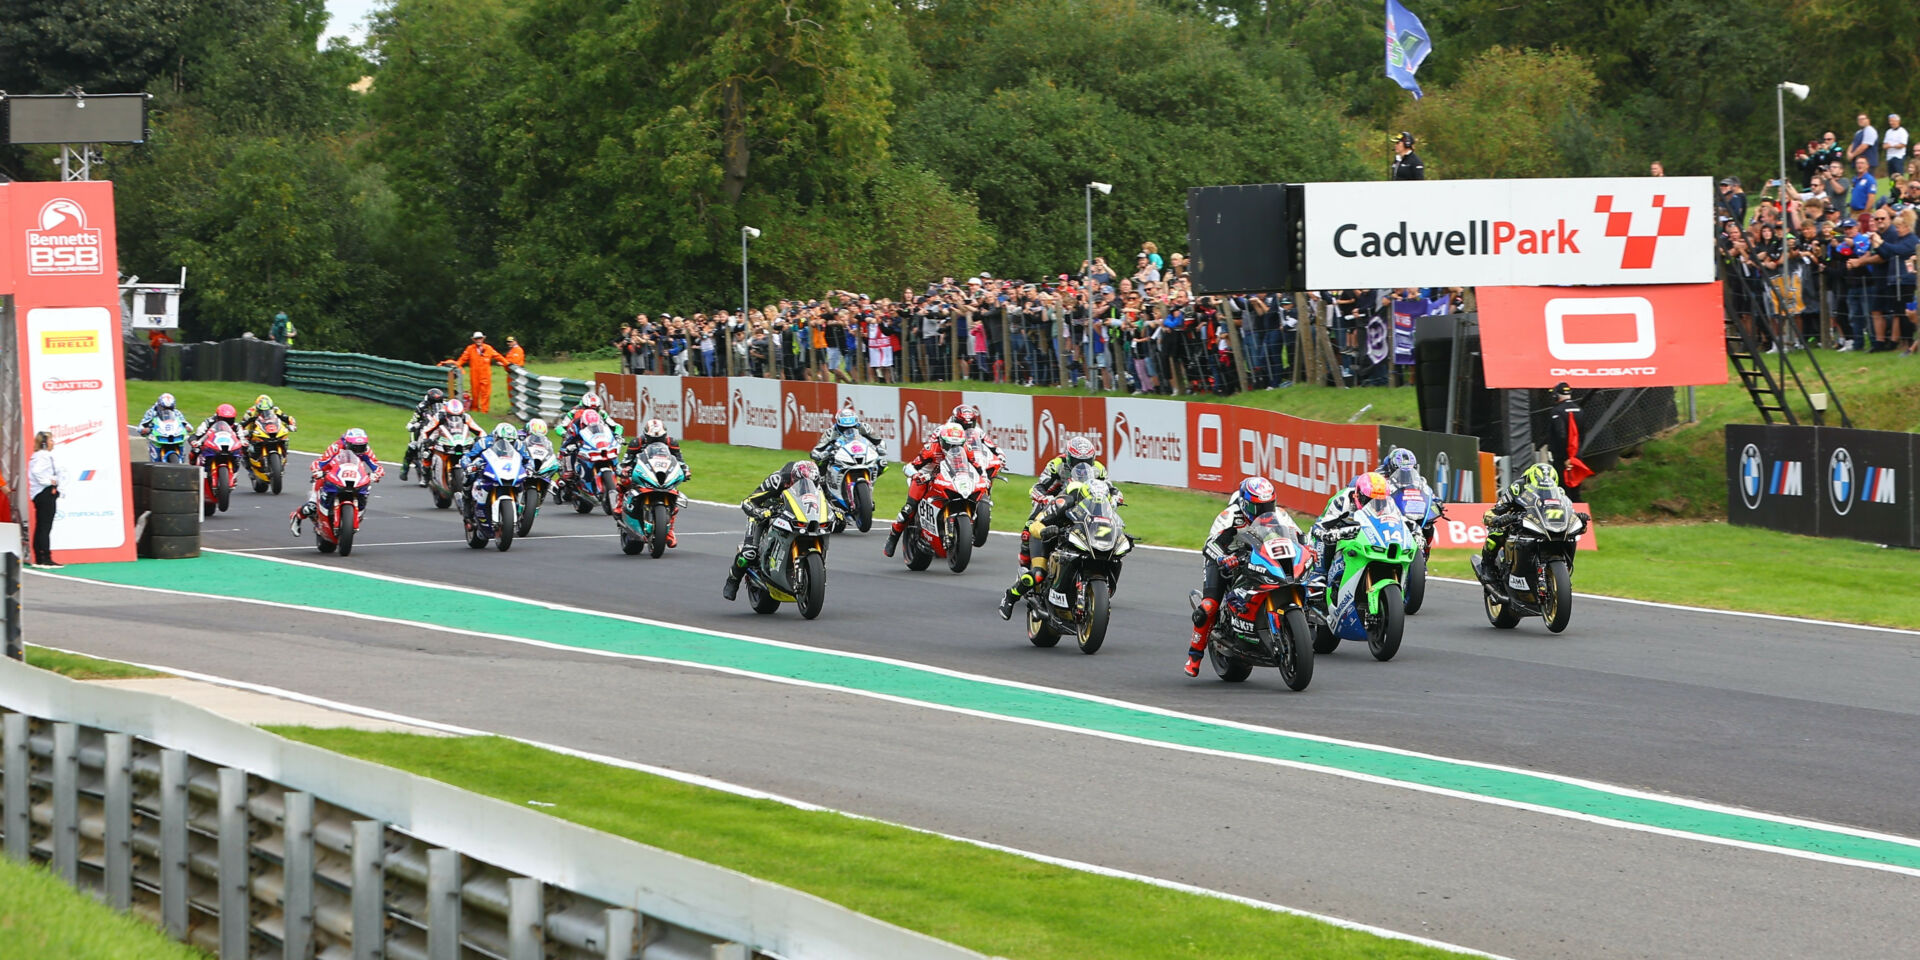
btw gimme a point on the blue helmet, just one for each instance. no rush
(1256, 496)
(846, 421)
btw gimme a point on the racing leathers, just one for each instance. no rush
(1340, 507)
(1505, 513)
(823, 451)
(308, 509)
(918, 482)
(1220, 558)
(153, 413)
(758, 508)
(622, 477)
(1042, 531)
(1047, 486)
(423, 412)
(252, 416)
(200, 433)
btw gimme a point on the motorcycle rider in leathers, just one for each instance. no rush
(651, 432)
(1254, 499)
(848, 424)
(417, 427)
(758, 508)
(1045, 527)
(450, 412)
(1542, 478)
(354, 440)
(1053, 479)
(948, 439)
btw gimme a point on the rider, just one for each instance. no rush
(948, 439)
(570, 422)
(223, 413)
(756, 507)
(353, 441)
(160, 406)
(846, 426)
(1365, 489)
(263, 407)
(452, 412)
(652, 432)
(1053, 479)
(470, 461)
(1540, 478)
(1043, 529)
(535, 428)
(417, 427)
(1254, 499)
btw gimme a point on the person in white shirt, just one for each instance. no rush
(43, 487)
(1895, 142)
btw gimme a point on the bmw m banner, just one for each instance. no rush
(1823, 481)
(1407, 47)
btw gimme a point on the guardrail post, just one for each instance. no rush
(173, 842)
(66, 801)
(369, 890)
(19, 770)
(731, 951)
(119, 820)
(526, 915)
(623, 928)
(443, 904)
(296, 898)
(236, 921)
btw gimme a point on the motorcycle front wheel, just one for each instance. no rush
(606, 491)
(810, 584)
(1093, 627)
(276, 471)
(508, 525)
(863, 506)
(1385, 628)
(960, 552)
(1294, 651)
(343, 529)
(1558, 608)
(222, 485)
(982, 522)
(662, 522)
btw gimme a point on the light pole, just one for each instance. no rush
(1086, 363)
(1780, 91)
(746, 233)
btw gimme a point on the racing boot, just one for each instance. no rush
(302, 512)
(899, 527)
(735, 574)
(672, 541)
(1028, 580)
(406, 460)
(1203, 617)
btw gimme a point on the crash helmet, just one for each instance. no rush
(591, 401)
(1370, 486)
(1540, 476)
(354, 440)
(537, 427)
(165, 402)
(847, 420)
(224, 411)
(505, 431)
(1400, 458)
(436, 395)
(655, 429)
(965, 415)
(804, 470)
(1080, 450)
(952, 436)
(263, 403)
(1255, 497)
(454, 407)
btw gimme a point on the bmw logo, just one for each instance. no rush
(1840, 480)
(1443, 472)
(1752, 477)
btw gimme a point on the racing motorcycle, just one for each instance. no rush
(1263, 613)
(943, 526)
(267, 452)
(644, 513)
(445, 447)
(1364, 598)
(1082, 573)
(852, 468)
(220, 453)
(167, 438)
(1532, 575)
(1422, 510)
(592, 466)
(490, 509)
(983, 511)
(791, 563)
(543, 471)
(344, 482)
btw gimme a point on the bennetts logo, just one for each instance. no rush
(63, 244)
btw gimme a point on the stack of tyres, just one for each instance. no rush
(173, 510)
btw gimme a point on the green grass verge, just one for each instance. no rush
(997, 903)
(84, 668)
(1740, 568)
(41, 917)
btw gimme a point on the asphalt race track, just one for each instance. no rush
(1799, 719)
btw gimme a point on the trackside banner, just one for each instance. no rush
(1824, 481)
(1200, 446)
(1665, 335)
(1474, 233)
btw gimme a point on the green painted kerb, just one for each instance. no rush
(303, 585)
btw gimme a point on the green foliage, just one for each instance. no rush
(1512, 113)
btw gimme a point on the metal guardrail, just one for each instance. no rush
(194, 821)
(537, 396)
(365, 377)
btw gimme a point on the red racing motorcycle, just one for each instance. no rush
(344, 482)
(944, 524)
(220, 452)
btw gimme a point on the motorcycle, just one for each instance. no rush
(943, 526)
(220, 453)
(446, 445)
(592, 466)
(1263, 614)
(645, 511)
(543, 471)
(490, 509)
(983, 511)
(267, 452)
(344, 482)
(852, 467)
(791, 563)
(1083, 571)
(1365, 598)
(1533, 572)
(1422, 510)
(167, 438)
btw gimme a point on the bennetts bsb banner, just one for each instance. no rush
(1476, 233)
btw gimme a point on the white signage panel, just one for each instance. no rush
(1147, 440)
(74, 397)
(753, 412)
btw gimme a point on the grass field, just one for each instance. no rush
(83, 668)
(993, 902)
(42, 918)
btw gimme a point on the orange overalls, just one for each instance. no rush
(478, 358)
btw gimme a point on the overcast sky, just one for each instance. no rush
(345, 18)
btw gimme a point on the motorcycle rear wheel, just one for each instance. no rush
(810, 592)
(1383, 634)
(662, 522)
(960, 553)
(343, 531)
(630, 544)
(1093, 629)
(322, 543)
(1499, 614)
(1324, 640)
(1228, 668)
(761, 601)
(1558, 608)
(919, 556)
(1040, 633)
(1416, 583)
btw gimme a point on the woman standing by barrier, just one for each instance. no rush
(43, 486)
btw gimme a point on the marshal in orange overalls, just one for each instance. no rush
(479, 359)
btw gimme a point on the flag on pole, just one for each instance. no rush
(1407, 46)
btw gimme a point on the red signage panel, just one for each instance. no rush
(1665, 335)
(1306, 460)
(921, 413)
(616, 394)
(1057, 420)
(1212, 432)
(807, 410)
(703, 408)
(1465, 527)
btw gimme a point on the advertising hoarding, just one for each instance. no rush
(1629, 336)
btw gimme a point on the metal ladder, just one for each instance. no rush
(1766, 386)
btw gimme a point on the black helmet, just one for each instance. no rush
(436, 395)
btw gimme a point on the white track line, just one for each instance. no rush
(750, 792)
(1322, 769)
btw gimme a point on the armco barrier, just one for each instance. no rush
(1201, 446)
(547, 397)
(364, 377)
(249, 845)
(1824, 481)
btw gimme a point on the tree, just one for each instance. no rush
(1513, 113)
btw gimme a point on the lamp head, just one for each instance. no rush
(751, 233)
(1799, 90)
(1102, 187)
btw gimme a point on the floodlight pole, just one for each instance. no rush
(76, 163)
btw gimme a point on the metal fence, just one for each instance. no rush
(364, 377)
(537, 396)
(252, 846)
